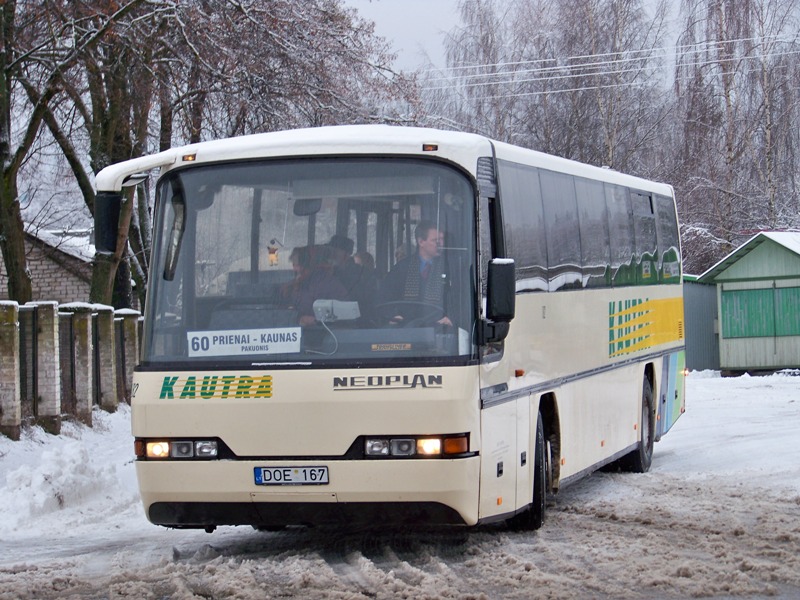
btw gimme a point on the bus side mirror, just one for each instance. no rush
(106, 221)
(500, 299)
(500, 290)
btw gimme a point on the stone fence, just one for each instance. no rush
(58, 361)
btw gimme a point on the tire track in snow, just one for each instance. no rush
(609, 536)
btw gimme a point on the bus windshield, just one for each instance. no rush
(313, 261)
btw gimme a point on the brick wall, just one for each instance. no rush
(55, 275)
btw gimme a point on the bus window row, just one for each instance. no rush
(568, 232)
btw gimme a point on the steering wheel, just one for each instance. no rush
(427, 313)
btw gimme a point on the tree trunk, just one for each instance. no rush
(102, 286)
(123, 290)
(12, 241)
(12, 233)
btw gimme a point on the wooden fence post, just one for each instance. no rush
(10, 396)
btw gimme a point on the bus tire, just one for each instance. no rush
(639, 460)
(533, 517)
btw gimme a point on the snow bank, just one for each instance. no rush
(79, 477)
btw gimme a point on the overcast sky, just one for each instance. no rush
(413, 27)
(416, 28)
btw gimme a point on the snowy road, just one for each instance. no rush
(717, 516)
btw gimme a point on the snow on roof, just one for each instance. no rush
(788, 239)
(74, 242)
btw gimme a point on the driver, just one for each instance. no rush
(419, 279)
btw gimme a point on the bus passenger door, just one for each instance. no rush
(670, 401)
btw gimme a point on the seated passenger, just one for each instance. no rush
(366, 260)
(359, 282)
(313, 280)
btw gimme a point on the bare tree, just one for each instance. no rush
(103, 111)
(250, 66)
(614, 79)
(736, 85)
(577, 78)
(11, 228)
(479, 90)
(38, 50)
(159, 72)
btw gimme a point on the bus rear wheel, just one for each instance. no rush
(639, 460)
(533, 517)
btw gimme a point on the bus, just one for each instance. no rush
(380, 324)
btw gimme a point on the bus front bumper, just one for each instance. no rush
(203, 494)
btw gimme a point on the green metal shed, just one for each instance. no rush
(758, 303)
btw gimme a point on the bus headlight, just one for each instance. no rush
(205, 449)
(429, 446)
(176, 449)
(403, 447)
(157, 449)
(181, 449)
(377, 447)
(417, 447)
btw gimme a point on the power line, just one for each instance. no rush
(591, 66)
(664, 51)
(632, 84)
(596, 74)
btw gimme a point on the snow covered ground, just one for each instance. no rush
(717, 516)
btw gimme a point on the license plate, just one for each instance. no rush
(291, 475)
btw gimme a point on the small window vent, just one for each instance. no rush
(486, 176)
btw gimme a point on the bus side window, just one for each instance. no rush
(620, 229)
(563, 238)
(669, 259)
(595, 250)
(523, 220)
(644, 231)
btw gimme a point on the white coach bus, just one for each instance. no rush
(367, 324)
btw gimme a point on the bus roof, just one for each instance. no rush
(461, 148)
(555, 163)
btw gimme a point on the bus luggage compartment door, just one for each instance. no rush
(670, 401)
